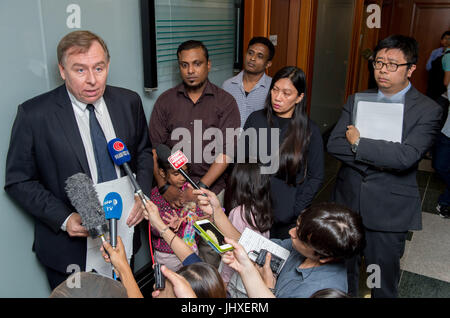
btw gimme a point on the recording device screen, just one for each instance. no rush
(213, 233)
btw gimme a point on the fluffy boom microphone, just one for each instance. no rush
(83, 196)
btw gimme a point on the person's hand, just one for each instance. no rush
(74, 227)
(137, 212)
(209, 203)
(237, 259)
(187, 195)
(266, 272)
(173, 196)
(172, 220)
(178, 284)
(153, 216)
(117, 256)
(352, 134)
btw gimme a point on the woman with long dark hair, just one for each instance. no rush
(250, 195)
(300, 154)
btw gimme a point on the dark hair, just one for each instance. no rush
(192, 44)
(332, 230)
(329, 293)
(445, 34)
(263, 41)
(295, 145)
(251, 190)
(91, 286)
(82, 40)
(204, 279)
(406, 44)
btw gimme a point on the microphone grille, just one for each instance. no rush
(163, 152)
(83, 196)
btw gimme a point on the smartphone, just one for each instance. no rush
(211, 234)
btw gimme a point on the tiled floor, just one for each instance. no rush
(425, 266)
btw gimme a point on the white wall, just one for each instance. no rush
(30, 31)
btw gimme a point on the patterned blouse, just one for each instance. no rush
(164, 207)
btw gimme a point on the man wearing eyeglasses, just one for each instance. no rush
(378, 178)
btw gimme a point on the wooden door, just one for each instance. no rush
(425, 21)
(283, 29)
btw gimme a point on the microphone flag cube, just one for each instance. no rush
(113, 205)
(178, 160)
(118, 151)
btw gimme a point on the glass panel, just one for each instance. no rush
(332, 49)
(213, 22)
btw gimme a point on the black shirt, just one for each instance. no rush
(288, 200)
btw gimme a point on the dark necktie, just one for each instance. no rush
(105, 165)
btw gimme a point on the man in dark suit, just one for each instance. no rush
(378, 178)
(64, 132)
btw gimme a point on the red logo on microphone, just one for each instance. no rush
(118, 146)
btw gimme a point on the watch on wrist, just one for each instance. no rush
(355, 146)
(164, 188)
(202, 185)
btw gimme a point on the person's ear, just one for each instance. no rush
(61, 71)
(162, 173)
(411, 70)
(299, 99)
(269, 64)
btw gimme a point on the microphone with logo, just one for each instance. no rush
(113, 206)
(81, 193)
(176, 160)
(121, 156)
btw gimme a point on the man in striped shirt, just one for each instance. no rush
(250, 87)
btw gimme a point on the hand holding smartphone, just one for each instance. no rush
(211, 234)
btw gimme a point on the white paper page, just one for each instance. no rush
(380, 121)
(252, 241)
(94, 259)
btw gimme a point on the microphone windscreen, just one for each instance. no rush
(163, 152)
(118, 151)
(83, 196)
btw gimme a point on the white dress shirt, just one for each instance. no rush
(82, 116)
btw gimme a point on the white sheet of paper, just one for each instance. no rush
(94, 259)
(380, 121)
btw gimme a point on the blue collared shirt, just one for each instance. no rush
(256, 97)
(295, 282)
(398, 98)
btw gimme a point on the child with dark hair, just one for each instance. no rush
(180, 220)
(325, 236)
(253, 209)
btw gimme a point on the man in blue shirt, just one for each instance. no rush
(377, 178)
(250, 87)
(445, 38)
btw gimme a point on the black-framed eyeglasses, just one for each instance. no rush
(391, 67)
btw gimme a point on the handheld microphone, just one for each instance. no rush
(163, 152)
(113, 205)
(83, 196)
(121, 156)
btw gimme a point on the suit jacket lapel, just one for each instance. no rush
(115, 114)
(70, 127)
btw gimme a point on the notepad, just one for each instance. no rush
(380, 121)
(252, 241)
